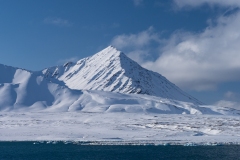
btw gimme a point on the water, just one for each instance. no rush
(27, 150)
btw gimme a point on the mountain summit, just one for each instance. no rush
(111, 70)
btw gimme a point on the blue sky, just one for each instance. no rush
(195, 44)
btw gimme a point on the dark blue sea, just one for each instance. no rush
(42, 151)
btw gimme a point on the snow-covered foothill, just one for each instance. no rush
(29, 91)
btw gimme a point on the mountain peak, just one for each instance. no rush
(111, 70)
(110, 47)
(108, 52)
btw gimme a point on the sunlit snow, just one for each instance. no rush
(106, 97)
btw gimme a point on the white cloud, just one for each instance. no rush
(228, 104)
(197, 3)
(57, 21)
(137, 45)
(230, 100)
(229, 94)
(139, 55)
(203, 60)
(138, 2)
(232, 96)
(139, 40)
(194, 61)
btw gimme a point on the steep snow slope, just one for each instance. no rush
(111, 70)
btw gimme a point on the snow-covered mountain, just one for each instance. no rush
(24, 90)
(111, 70)
(54, 103)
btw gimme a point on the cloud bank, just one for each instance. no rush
(194, 61)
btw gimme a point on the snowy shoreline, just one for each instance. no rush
(129, 143)
(120, 128)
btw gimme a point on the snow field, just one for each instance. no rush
(119, 127)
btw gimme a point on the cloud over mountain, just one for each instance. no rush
(194, 61)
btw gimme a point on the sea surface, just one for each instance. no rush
(58, 151)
